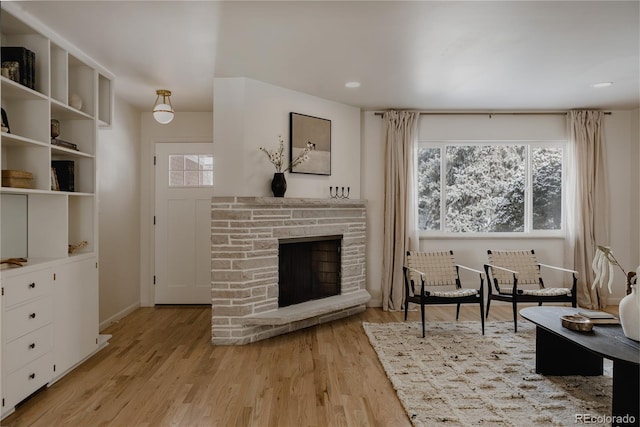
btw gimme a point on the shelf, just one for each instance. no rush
(61, 111)
(40, 223)
(105, 101)
(27, 191)
(72, 193)
(27, 111)
(13, 90)
(12, 190)
(76, 193)
(82, 84)
(32, 263)
(33, 158)
(59, 75)
(13, 140)
(16, 33)
(57, 151)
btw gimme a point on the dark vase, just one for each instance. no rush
(278, 184)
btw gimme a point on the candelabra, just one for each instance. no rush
(339, 193)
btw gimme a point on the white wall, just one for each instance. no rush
(249, 114)
(621, 150)
(621, 153)
(118, 159)
(185, 127)
(372, 152)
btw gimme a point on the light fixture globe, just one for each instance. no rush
(163, 111)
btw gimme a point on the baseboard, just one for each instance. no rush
(119, 315)
(374, 303)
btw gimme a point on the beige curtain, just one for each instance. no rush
(587, 201)
(400, 230)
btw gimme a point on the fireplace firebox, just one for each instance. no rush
(308, 269)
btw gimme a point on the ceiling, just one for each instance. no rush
(429, 55)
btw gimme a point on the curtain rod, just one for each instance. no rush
(489, 113)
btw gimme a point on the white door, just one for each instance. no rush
(184, 186)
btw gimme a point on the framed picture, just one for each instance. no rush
(305, 129)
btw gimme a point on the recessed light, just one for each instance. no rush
(352, 85)
(602, 84)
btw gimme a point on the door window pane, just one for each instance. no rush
(191, 170)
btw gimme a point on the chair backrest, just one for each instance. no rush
(524, 262)
(439, 268)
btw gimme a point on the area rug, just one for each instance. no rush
(457, 377)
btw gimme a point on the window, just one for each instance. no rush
(190, 170)
(490, 187)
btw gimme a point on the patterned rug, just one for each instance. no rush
(457, 377)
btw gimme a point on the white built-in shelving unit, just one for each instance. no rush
(50, 305)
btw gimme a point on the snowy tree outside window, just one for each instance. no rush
(490, 187)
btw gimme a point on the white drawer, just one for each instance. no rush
(27, 348)
(26, 380)
(25, 318)
(26, 286)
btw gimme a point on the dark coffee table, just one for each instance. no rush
(561, 351)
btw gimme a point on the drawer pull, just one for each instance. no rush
(32, 316)
(32, 376)
(32, 285)
(32, 346)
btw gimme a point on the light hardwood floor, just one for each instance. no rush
(160, 369)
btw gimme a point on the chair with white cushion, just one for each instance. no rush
(516, 277)
(437, 275)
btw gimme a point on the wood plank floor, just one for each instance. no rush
(160, 369)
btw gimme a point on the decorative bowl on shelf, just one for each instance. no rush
(577, 323)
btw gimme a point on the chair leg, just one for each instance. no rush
(539, 303)
(422, 313)
(515, 315)
(482, 314)
(406, 309)
(457, 311)
(488, 305)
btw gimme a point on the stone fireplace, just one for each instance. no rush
(248, 235)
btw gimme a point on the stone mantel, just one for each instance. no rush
(245, 234)
(308, 203)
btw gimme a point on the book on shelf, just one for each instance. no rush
(65, 144)
(26, 60)
(54, 180)
(65, 174)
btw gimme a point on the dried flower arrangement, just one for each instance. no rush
(603, 263)
(277, 156)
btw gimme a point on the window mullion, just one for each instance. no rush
(528, 191)
(443, 187)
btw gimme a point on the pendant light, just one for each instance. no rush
(163, 110)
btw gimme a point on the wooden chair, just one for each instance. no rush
(516, 277)
(438, 270)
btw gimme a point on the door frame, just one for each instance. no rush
(147, 210)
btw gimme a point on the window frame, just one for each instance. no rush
(528, 208)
